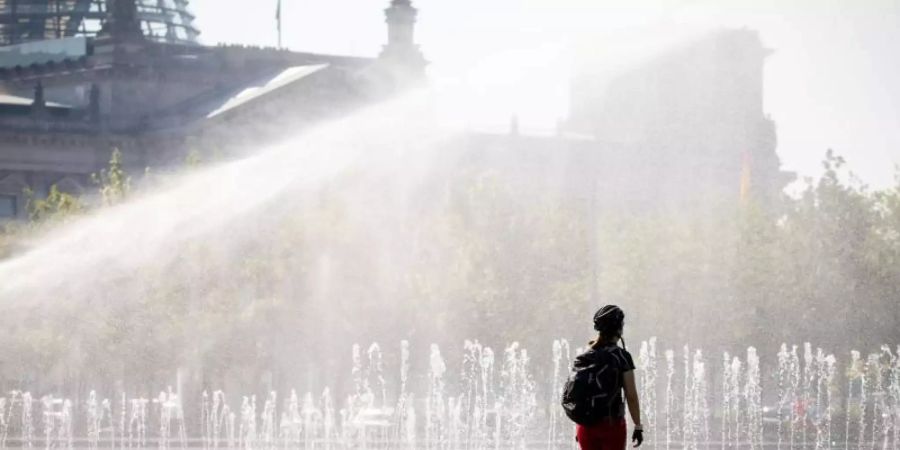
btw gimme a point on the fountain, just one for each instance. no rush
(648, 373)
(506, 399)
(484, 410)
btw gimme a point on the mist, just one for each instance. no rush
(397, 273)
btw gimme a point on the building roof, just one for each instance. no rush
(265, 87)
(14, 100)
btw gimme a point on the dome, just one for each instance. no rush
(23, 21)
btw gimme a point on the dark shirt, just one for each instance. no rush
(611, 362)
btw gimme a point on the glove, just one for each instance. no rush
(637, 437)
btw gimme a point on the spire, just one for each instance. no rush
(278, 21)
(39, 100)
(39, 105)
(122, 20)
(94, 105)
(401, 48)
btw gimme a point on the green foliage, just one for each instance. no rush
(7, 238)
(113, 182)
(56, 206)
(494, 259)
(765, 274)
(194, 158)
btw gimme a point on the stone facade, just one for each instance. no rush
(156, 101)
(684, 129)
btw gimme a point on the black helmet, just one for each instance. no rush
(609, 320)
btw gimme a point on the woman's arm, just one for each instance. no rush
(631, 397)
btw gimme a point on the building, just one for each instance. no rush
(79, 78)
(82, 78)
(691, 118)
(682, 128)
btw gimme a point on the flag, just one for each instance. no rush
(278, 19)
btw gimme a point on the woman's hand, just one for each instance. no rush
(637, 437)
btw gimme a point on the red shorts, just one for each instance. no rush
(606, 435)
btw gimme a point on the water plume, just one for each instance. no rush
(178, 272)
(147, 233)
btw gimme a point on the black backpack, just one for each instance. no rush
(590, 391)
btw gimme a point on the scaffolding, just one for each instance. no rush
(23, 21)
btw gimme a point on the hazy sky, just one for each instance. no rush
(833, 81)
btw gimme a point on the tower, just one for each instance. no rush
(401, 50)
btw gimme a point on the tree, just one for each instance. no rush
(113, 182)
(56, 206)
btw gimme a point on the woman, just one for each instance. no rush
(614, 372)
